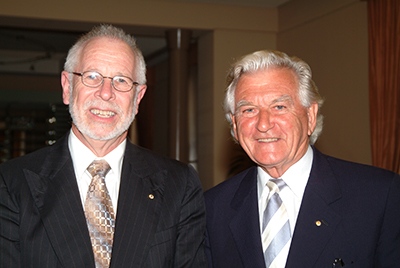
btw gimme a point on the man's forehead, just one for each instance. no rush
(102, 53)
(272, 82)
(275, 99)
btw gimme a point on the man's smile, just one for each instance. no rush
(101, 113)
(268, 140)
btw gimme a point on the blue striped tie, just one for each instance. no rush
(276, 228)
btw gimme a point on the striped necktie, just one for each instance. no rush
(275, 228)
(99, 214)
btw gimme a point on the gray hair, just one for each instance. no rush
(112, 32)
(269, 59)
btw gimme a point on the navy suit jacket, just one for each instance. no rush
(358, 205)
(42, 222)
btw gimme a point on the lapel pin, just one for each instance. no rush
(319, 223)
(338, 262)
(151, 196)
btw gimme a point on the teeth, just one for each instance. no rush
(100, 113)
(268, 140)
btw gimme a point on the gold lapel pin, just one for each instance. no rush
(318, 223)
(151, 196)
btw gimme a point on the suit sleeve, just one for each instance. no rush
(190, 239)
(207, 250)
(388, 249)
(9, 228)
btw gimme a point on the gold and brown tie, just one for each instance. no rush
(99, 214)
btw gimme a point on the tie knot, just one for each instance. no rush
(276, 185)
(99, 167)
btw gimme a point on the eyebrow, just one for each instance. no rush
(283, 98)
(243, 103)
(280, 99)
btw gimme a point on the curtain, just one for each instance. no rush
(384, 82)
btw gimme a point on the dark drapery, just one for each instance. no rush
(384, 82)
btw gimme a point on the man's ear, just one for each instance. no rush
(142, 91)
(66, 86)
(234, 126)
(312, 113)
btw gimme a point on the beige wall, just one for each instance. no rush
(159, 14)
(332, 37)
(217, 50)
(329, 34)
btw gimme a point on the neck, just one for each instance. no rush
(99, 147)
(276, 171)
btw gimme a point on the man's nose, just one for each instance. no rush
(106, 90)
(264, 121)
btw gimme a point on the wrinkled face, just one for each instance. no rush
(103, 113)
(270, 123)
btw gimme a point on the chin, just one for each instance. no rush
(103, 134)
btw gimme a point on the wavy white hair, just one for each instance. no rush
(268, 59)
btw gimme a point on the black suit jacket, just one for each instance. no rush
(42, 222)
(358, 205)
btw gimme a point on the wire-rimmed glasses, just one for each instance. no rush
(95, 79)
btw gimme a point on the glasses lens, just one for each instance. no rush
(92, 79)
(122, 83)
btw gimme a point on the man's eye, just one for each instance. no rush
(248, 112)
(92, 77)
(120, 80)
(280, 107)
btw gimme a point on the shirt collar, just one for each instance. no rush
(82, 156)
(296, 177)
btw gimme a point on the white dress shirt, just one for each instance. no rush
(296, 178)
(82, 157)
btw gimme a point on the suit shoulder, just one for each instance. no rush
(154, 158)
(348, 166)
(231, 185)
(12, 171)
(146, 163)
(349, 172)
(30, 160)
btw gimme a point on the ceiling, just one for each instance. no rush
(250, 3)
(27, 50)
(43, 52)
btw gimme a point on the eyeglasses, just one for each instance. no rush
(95, 79)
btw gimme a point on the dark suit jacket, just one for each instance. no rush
(358, 205)
(42, 222)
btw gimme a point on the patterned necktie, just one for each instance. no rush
(276, 228)
(99, 214)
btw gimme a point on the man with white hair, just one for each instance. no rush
(94, 199)
(297, 208)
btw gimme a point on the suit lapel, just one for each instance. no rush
(139, 204)
(56, 195)
(245, 225)
(317, 220)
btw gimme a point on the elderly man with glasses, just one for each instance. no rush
(94, 199)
